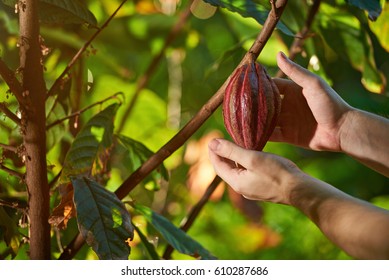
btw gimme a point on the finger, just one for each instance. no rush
(231, 151)
(294, 71)
(226, 169)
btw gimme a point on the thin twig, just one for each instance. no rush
(8, 113)
(14, 173)
(144, 79)
(13, 205)
(300, 37)
(8, 147)
(10, 79)
(81, 51)
(82, 110)
(194, 212)
(190, 128)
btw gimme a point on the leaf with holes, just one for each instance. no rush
(102, 219)
(176, 237)
(95, 135)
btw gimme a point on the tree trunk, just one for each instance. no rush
(33, 129)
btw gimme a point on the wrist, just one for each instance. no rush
(346, 129)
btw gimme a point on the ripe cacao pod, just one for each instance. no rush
(251, 106)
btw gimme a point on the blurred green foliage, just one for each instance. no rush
(344, 47)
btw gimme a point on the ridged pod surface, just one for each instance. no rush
(251, 106)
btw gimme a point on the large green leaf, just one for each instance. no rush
(139, 153)
(96, 134)
(62, 11)
(248, 8)
(373, 7)
(176, 237)
(102, 219)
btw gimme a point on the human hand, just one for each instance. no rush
(312, 113)
(256, 175)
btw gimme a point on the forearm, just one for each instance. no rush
(357, 227)
(365, 137)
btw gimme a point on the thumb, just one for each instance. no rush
(298, 74)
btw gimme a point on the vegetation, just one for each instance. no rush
(107, 108)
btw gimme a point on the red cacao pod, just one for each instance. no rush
(251, 106)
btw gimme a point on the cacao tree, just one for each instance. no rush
(107, 107)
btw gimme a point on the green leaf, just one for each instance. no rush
(139, 153)
(348, 40)
(96, 134)
(373, 7)
(149, 247)
(11, 233)
(248, 8)
(176, 237)
(62, 11)
(102, 219)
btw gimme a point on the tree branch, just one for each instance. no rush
(190, 128)
(205, 112)
(32, 106)
(300, 38)
(58, 81)
(14, 173)
(194, 212)
(8, 148)
(82, 110)
(8, 113)
(9, 77)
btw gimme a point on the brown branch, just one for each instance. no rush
(10, 79)
(82, 110)
(8, 113)
(194, 212)
(13, 205)
(191, 127)
(11, 172)
(204, 113)
(77, 56)
(144, 79)
(9, 148)
(301, 36)
(33, 121)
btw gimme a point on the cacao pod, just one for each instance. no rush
(251, 106)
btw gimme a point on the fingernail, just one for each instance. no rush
(214, 144)
(283, 55)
